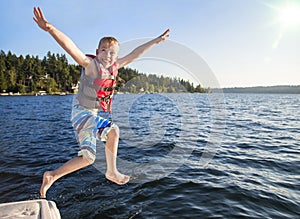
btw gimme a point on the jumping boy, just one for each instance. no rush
(97, 84)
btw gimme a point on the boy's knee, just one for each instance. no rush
(113, 133)
(88, 160)
(87, 156)
(109, 132)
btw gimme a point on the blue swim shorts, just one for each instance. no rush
(89, 126)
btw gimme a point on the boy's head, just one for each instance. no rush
(107, 52)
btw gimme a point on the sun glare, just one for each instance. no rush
(290, 15)
(287, 18)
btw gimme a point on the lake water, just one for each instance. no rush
(190, 156)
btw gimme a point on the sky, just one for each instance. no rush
(243, 42)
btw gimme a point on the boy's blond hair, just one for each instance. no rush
(109, 40)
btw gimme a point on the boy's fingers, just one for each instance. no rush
(35, 12)
(41, 13)
(37, 15)
(166, 33)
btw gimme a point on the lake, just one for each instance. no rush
(189, 156)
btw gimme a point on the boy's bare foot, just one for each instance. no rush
(48, 180)
(118, 178)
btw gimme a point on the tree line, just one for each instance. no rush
(277, 89)
(53, 74)
(30, 74)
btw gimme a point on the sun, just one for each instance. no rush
(286, 18)
(289, 15)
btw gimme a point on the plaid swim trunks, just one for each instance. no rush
(89, 126)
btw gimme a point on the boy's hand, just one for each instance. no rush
(63, 40)
(40, 19)
(164, 35)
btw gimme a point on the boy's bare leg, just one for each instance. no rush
(111, 151)
(77, 163)
(51, 176)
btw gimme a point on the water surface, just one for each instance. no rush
(254, 173)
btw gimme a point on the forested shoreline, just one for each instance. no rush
(53, 74)
(275, 89)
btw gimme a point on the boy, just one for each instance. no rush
(97, 83)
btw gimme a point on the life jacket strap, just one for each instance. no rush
(96, 87)
(107, 98)
(110, 77)
(103, 88)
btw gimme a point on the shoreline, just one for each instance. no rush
(34, 94)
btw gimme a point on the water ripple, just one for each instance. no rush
(254, 173)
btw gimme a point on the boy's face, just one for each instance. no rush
(107, 53)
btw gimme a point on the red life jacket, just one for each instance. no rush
(97, 93)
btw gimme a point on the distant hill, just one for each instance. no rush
(280, 89)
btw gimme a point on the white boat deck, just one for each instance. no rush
(31, 209)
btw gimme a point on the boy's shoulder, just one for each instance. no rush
(91, 70)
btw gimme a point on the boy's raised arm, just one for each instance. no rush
(139, 51)
(63, 40)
